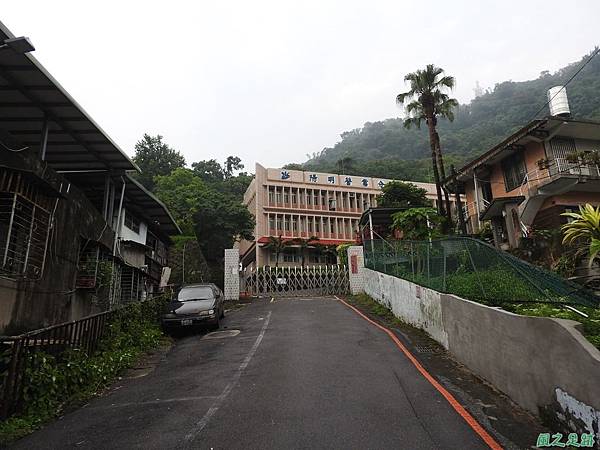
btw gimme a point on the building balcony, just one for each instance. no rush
(559, 176)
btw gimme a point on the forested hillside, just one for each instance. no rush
(387, 149)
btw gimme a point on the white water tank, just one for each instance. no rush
(558, 102)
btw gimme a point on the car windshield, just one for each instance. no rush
(196, 293)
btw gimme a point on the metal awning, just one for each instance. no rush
(494, 209)
(33, 102)
(137, 198)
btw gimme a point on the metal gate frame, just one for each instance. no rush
(296, 281)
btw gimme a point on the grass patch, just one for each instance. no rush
(59, 384)
(373, 307)
(591, 324)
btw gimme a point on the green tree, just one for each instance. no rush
(426, 100)
(304, 245)
(216, 219)
(232, 163)
(418, 224)
(236, 186)
(397, 194)
(277, 245)
(210, 171)
(154, 157)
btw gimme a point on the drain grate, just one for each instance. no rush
(426, 349)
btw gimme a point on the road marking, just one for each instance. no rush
(475, 426)
(158, 401)
(234, 380)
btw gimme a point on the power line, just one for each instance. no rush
(568, 81)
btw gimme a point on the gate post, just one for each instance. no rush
(356, 269)
(231, 284)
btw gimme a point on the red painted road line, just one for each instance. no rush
(489, 440)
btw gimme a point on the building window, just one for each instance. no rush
(317, 225)
(310, 225)
(294, 198)
(291, 256)
(271, 223)
(514, 171)
(286, 223)
(309, 198)
(331, 226)
(294, 224)
(278, 196)
(271, 196)
(132, 223)
(286, 197)
(24, 227)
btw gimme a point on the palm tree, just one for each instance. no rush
(304, 244)
(426, 100)
(278, 244)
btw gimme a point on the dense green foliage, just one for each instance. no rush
(386, 149)
(206, 202)
(418, 223)
(397, 194)
(55, 384)
(154, 157)
(215, 217)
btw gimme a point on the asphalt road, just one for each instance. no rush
(301, 373)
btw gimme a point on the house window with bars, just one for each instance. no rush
(132, 284)
(24, 229)
(132, 223)
(514, 170)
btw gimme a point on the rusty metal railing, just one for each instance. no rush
(16, 352)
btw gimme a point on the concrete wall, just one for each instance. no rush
(543, 364)
(415, 305)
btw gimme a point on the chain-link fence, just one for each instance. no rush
(473, 270)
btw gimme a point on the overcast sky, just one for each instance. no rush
(271, 81)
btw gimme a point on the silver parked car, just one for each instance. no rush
(196, 305)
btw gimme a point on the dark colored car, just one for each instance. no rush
(196, 305)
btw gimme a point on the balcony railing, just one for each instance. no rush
(556, 168)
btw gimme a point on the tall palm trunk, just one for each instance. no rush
(442, 173)
(436, 174)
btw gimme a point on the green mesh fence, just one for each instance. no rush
(473, 270)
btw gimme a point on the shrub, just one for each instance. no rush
(51, 384)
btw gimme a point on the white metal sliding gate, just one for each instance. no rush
(296, 281)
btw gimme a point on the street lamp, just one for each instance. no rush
(19, 45)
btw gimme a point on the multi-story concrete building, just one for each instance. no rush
(525, 182)
(298, 205)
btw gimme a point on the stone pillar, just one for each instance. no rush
(232, 276)
(356, 269)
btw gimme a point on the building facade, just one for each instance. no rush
(294, 204)
(524, 183)
(78, 234)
